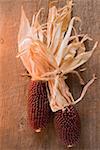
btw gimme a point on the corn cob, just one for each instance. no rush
(67, 126)
(38, 105)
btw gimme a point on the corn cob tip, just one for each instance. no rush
(38, 130)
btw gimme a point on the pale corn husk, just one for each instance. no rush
(55, 57)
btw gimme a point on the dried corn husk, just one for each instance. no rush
(61, 53)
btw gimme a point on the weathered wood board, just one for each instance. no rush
(15, 133)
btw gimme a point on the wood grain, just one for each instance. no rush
(15, 133)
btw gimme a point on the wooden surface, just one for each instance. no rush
(15, 133)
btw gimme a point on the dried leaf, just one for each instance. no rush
(77, 61)
(51, 17)
(61, 52)
(24, 30)
(65, 41)
(56, 38)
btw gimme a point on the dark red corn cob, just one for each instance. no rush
(38, 105)
(67, 126)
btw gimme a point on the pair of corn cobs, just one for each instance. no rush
(67, 123)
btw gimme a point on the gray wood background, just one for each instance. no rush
(15, 133)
